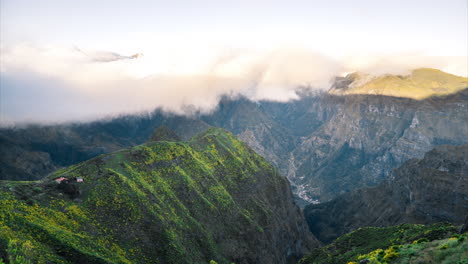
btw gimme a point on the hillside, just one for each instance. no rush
(407, 243)
(420, 84)
(208, 198)
(33, 151)
(428, 190)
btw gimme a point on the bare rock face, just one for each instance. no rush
(368, 136)
(422, 191)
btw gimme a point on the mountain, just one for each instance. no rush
(209, 198)
(33, 151)
(326, 144)
(420, 84)
(421, 191)
(368, 136)
(406, 243)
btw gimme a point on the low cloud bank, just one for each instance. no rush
(56, 84)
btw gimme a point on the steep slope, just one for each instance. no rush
(407, 243)
(210, 198)
(420, 84)
(428, 190)
(252, 123)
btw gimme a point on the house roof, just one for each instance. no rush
(60, 179)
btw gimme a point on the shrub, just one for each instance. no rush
(391, 253)
(443, 247)
(422, 240)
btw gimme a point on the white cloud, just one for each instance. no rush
(53, 84)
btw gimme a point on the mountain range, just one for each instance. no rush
(325, 144)
(374, 154)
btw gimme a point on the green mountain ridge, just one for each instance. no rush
(406, 243)
(209, 198)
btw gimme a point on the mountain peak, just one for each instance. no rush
(420, 84)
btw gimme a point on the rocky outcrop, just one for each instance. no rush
(428, 190)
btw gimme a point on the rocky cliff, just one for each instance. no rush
(368, 136)
(428, 190)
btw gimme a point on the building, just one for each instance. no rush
(59, 180)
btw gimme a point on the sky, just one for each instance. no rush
(72, 60)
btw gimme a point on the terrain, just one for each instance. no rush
(406, 243)
(429, 190)
(209, 198)
(326, 143)
(419, 84)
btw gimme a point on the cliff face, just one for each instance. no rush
(209, 198)
(368, 136)
(428, 190)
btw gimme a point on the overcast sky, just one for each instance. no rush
(75, 56)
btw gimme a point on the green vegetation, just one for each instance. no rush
(420, 84)
(405, 243)
(161, 202)
(444, 251)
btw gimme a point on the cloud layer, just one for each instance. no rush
(56, 84)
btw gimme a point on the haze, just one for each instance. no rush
(63, 61)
